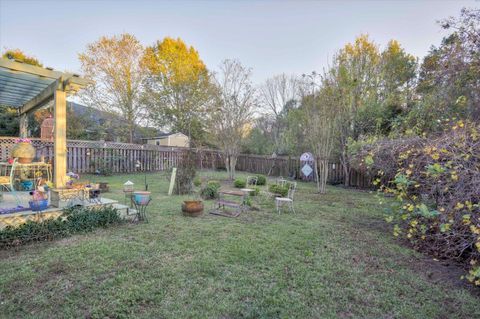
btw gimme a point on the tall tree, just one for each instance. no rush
(277, 94)
(320, 115)
(356, 70)
(235, 105)
(179, 89)
(114, 65)
(398, 74)
(448, 81)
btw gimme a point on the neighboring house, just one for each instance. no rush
(169, 139)
(104, 125)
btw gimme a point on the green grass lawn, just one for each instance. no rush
(335, 258)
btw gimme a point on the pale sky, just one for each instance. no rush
(271, 37)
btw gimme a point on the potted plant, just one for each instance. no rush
(39, 201)
(23, 150)
(192, 207)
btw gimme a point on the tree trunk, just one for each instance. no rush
(323, 176)
(233, 163)
(227, 164)
(346, 167)
(317, 178)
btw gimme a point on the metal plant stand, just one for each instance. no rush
(141, 211)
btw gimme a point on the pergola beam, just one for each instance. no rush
(31, 69)
(43, 97)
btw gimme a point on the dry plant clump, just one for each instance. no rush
(436, 183)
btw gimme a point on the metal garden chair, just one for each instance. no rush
(281, 201)
(7, 181)
(252, 180)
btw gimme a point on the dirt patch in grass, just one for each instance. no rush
(435, 271)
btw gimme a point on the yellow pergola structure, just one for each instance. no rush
(28, 88)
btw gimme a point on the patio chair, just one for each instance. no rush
(7, 181)
(281, 181)
(281, 201)
(252, 180)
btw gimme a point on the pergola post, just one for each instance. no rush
(60, 138)
(23, 125)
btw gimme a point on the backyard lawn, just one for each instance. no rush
(335, 258)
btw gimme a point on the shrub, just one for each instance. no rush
(210, 191)
(197, 181)
(74, 220)
(214, 183)
(435, 183)
(240, 183)
(278, 190)
(256, 191)
(261, 180)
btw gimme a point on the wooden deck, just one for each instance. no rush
(18, 218)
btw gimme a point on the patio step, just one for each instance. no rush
(125, 211)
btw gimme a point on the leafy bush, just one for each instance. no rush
(261, 180)
(210, 191)
(278, 190)
(74, 220)
(436, 184)
(214, 183)
(240, 183)
(197, 181)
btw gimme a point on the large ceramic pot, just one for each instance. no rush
(25, 152)
(141, 198)
(192, 208)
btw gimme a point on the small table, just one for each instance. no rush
(221, 203)
(33, 170)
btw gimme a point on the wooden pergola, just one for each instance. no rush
(28, 88)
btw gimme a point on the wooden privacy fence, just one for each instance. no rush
(98, 156)
(288, 166)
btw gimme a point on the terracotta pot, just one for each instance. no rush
(192, 208)
(25, 152)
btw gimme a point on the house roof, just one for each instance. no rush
(28, 87)
(164, 135)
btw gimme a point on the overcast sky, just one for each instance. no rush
(271, 37)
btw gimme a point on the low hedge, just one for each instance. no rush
(278, 189)
(74, 220)
(210, 191)
(240, 183)
(261, 180)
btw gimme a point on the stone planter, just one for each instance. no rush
(66, 197)
(192, 208)
(25, 152)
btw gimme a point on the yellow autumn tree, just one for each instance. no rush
(356, 73)
(178, 87)
(114, 66)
